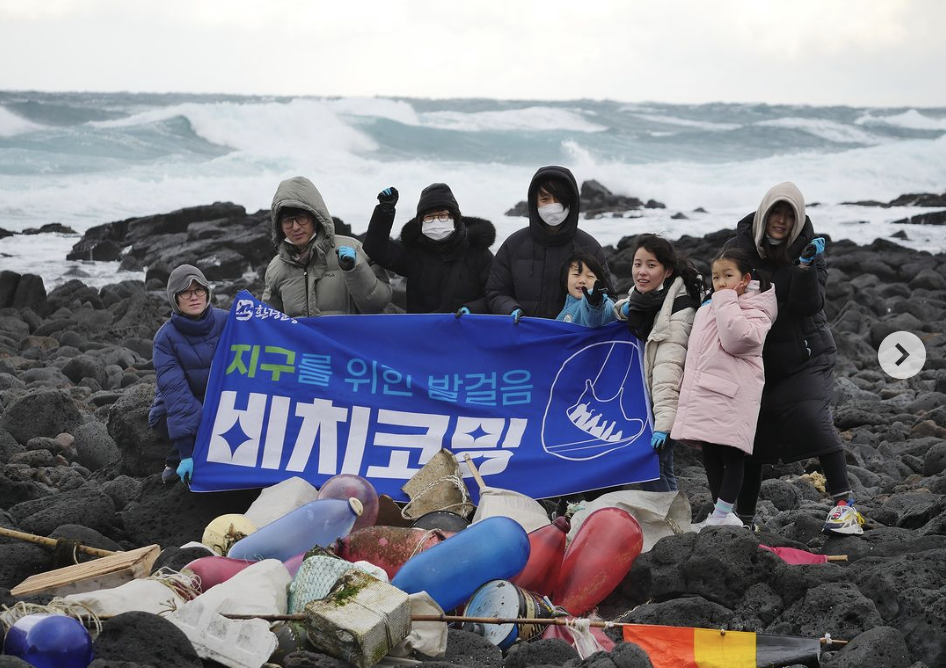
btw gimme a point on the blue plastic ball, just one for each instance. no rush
(49, 641)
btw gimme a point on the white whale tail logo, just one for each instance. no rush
(599, 413)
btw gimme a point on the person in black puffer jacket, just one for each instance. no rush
(443, 254)
(799, 356)
(525, 279)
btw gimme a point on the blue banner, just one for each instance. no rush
(544, 408)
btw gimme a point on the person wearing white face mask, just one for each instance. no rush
(443, 254)
(525, 279)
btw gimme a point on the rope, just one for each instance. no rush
(457, 482)
(419, 547)
(10, 615)
(182, 585)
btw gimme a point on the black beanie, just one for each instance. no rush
(437, 196)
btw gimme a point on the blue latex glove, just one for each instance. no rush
(463, 310)
(346, 257)
(626, 309)
(658, 440)
(185, 470)
(516, 315)
(812, 250)
(388, 197)
(708, 300)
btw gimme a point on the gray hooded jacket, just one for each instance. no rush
(320, 287)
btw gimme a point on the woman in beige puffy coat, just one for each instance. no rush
(659, 309)
(315, 271)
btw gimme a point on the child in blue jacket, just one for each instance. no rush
(586, 295)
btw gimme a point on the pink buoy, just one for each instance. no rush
(214, 570)
(598, 559)
(346, 486)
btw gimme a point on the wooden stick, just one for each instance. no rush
(837, 557)
(476, 474)
(52, 542)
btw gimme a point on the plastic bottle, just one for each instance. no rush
(49, 641)
(495, 549)
(318, 522)
(214, 570)
(598, 558)
(547, 549)
(344, 487)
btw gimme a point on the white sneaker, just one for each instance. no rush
(728, 520)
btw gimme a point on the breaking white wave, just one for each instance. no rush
(839, 133)
(529, 118)
(11, 124)
(912, 120)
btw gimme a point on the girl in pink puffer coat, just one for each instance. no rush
(723, 376)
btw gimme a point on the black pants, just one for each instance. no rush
(832, 464)
(724, 470)
(174, 457)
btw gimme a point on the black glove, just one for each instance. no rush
(388, 197)
(596, 296)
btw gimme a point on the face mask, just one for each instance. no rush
(438, 229)
(553, 214)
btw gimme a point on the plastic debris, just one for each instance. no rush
(503, 599)
(49, 641)
(387, 547)
(360, 621)
(224, 531)
(346, 486)
(437, 486)
(238, 644)
(598, 559)
(318, 522)
(494, 549)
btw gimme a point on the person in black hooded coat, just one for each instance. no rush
(799, 356)
(444, 255)
(526, 275)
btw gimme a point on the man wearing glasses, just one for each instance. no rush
(315, 271)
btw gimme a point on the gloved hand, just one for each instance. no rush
(626, 309)
(596, 296)
(812, 250)
(463, 310)
(516, 315)
(658, 440)
(185, 470)
(346, 257)
(388, 197)
(708, 300)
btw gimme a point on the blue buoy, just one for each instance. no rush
(49, 641)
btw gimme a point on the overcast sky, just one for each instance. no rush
(854, 52)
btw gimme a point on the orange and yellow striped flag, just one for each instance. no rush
(686, 647)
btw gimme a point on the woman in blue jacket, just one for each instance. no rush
(183, 350)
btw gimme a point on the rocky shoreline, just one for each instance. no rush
(78, 461)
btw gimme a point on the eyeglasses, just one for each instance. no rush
(301, 220)
(196, 292)
(431, 217)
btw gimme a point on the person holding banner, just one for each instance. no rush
(444, 255)
(795, 421)
(525, 278)
(315, 271)
(183, 350)
(659, 310)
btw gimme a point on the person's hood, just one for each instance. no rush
(435, 197)
(180, 279)
(479, 233)
(783, 192)
(300, 193)
(538, 229)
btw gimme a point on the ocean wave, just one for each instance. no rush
(835, 132)
(11, 124)
(910, 120)
(265, 129)
(526, 119)
(684, 122)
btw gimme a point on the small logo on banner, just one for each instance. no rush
(243, 310)
(607, 413)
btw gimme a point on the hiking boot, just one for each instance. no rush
(844, 519)
(169, 475)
